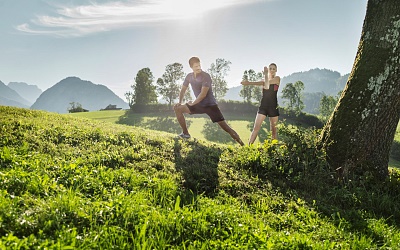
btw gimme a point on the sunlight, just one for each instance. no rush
(194, 8)
(93, 18)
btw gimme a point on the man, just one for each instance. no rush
(205, 102)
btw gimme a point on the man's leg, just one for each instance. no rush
(179, 111)
(257, 126)
(273, 121)
(230, 131)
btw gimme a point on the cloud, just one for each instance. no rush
(93, 18)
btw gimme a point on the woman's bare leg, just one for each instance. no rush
(273, 121)
(257, 126)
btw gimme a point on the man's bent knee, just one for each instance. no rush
(181, 109)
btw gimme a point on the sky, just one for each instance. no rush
(107, 42)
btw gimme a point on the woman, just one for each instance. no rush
(269, 101)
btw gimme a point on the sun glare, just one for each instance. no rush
(192, 8)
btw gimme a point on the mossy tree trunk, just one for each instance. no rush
(359, 134)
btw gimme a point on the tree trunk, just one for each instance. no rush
(359, 134)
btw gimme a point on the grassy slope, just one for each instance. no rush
(80, 183)
(241, 124)
(196, 123)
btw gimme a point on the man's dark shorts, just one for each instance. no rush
(212, 111)
(268, 111)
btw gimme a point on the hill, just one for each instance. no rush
(9, 97)
(72, 89)
(26, 91)
(316, 82)
(69, 183)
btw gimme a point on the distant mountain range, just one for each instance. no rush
(72, 89)
(10, 97)
(316, 83)
(95, 96)
(26, 91)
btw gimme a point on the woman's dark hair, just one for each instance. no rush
(274, 65)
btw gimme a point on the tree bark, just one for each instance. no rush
(359, 134)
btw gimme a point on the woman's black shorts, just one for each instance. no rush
(270, 111)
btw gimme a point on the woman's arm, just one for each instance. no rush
(245, 82)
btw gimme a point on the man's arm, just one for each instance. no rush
(181, 95)
(201, 96)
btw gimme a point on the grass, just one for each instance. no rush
(200, 126)
(76, 183)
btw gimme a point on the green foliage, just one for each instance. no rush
(327, 105)
(75, 107)
(144, 90)
(293, 93)
(218, 71)
(249, 92)
(73, 183)
(301, 119)
(168, 85)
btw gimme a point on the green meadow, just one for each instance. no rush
(167, 122)
(200, 126)
(72, 182)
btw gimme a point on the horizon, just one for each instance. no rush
(123, 98)
(108, 42)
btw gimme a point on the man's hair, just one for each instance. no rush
(193, 60)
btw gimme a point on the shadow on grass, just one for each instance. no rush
(161, 122)
(165, 123)
(213, 132)
(198, 165)
(130, 118)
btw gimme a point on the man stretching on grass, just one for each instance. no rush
(205, 102)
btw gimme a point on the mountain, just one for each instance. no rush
(318, 80)
(233, 94)
(315, 81)
(26, 91)
(9, 97)
(72, 89)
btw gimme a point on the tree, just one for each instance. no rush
(327, 105)
(359, 134)
(293, 92)
(168, 85)
(218, 71)
(144, 89)
(250, 92)
(129, 99)
(75, 107)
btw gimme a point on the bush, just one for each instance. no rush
(236, 107)
(310, 120)
(152, 108)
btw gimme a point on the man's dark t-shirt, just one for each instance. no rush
(202, 79)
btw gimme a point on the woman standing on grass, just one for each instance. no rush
(269, 102)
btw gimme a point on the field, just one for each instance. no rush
(168, 123)
(76, 183)
(242, 124)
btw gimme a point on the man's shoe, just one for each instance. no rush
(185, 136)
